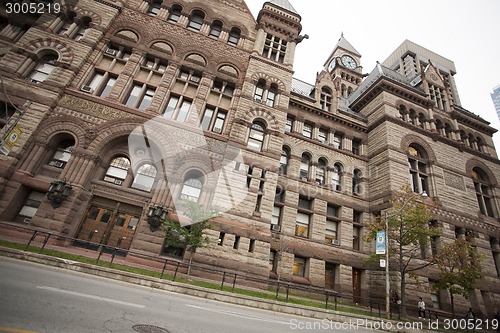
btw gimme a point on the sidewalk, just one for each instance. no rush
(188, 289)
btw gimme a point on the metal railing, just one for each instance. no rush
(229, 281)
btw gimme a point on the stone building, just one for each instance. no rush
(131, 105)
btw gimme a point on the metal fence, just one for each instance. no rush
(175, 270)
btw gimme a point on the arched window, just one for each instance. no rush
(196, 20)
(215, 29)
(285, 156)
(349, 91)
(321, 171)
(145, 177)
(191, 189)
(174, 13)
(325, 99)
(448, 131)
(44, 67)
(256, 136)
(356, 181)
(305, 165)
(421, 120)
(413, 117)
(271, 95)
(117, 170)
(483, 188)
(480, 145)
(417, 162)
(259, 91)
(234, 36)
(62, 154)
(337, 177)
(153, 7)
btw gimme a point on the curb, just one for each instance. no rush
(327, 316)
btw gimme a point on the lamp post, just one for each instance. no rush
(156, 214)
(58, 191)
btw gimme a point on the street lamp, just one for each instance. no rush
(156, 214)
(58, 191)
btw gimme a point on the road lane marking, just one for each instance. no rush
(99, 298)
(14, 330)
(238, 314)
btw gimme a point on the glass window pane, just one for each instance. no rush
(143, 182)
(207, 117)
(134, 94)
(183, 112)
(109, 86)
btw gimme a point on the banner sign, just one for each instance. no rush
(11, 140)
(380, 246)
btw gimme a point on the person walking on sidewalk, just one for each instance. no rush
(421, 308)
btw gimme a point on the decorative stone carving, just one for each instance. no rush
(454, 180)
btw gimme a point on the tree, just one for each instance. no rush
(409, 229)
(459, 269)
(188, 230)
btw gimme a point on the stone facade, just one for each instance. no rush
(210, 90)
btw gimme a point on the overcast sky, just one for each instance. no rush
(464, 31)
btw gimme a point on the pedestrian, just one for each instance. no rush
(394, 301)
(470, 318)
(421, 308)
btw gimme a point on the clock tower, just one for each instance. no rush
(344, 67)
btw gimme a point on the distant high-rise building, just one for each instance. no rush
(495, 96)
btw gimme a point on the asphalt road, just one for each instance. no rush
(37, 298)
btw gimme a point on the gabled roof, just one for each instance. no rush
(344, 44)
(285, 4)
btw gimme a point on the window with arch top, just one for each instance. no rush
(417, 162)
(62, 154)
(256, 136)
(43, 68)
(117, 170)
(196, 20)
(145, 177)
(192, 187)
(484, 193)
(234, 36)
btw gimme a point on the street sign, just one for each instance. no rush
(11, 140)
(382, 262)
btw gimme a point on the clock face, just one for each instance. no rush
(349, 62)
(331, 65)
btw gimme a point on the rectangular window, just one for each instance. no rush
(299, 266)
(32, 203)
(288, 124)
(220, 241)
(302, 225)
(108, 86)
(337, 141)
(211, 123)
(274, 48)
(332, 210)
(6, 111)
(356, 145)
(331, 236)
(322, 136)
(305, 203)
(276, 217)
(177, 109)
(140, 96)
(307, 130)
(356, 238)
